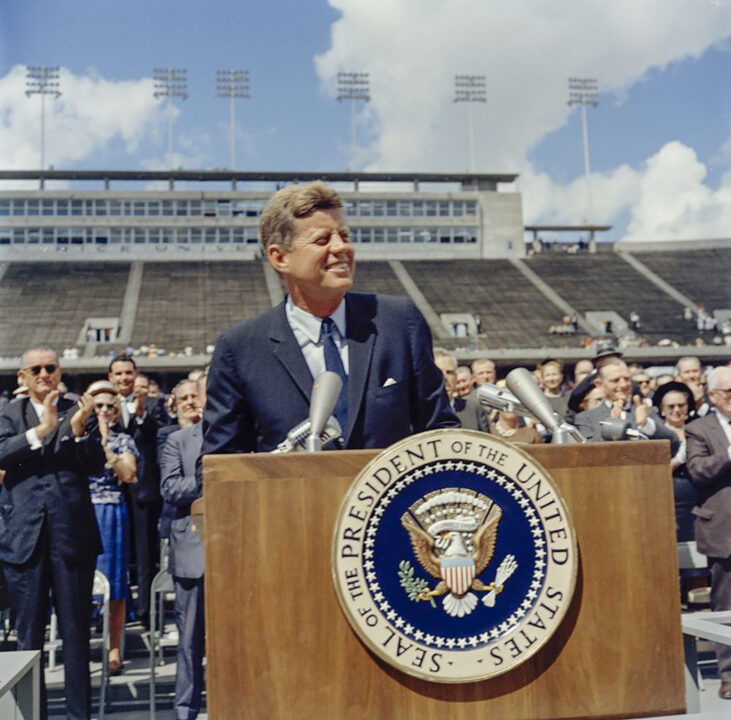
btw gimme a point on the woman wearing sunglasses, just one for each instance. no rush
(105, 486)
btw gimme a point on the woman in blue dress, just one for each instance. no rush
(105, 487)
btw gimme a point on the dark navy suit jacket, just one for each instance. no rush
(179, 488)
(259, 383)
(45, 484)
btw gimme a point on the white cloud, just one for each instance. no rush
(91, 112)
(526, 50)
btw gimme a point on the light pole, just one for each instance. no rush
(354, 86)
(232, 84)
(585, 91)
(470, 89)
(42, 81)
(170, 83)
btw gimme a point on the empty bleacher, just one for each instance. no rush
(701, 275)
(377, 277)
(50, 302)
(188, 304)
(606, 282)
(513, 313)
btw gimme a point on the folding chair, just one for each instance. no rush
(162, 586)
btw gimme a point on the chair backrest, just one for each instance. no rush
(101, 585)
(689, 557)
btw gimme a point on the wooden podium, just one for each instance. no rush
(279, 646)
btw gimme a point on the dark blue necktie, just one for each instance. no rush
(334, 363)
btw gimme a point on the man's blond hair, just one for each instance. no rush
(285, 206)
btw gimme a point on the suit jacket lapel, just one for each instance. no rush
(287, 351)
(361, 336)
(30, 416)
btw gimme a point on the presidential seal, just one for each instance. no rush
(454, 556)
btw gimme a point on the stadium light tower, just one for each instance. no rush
(354, 86)
(470, 89)
(170, 83)
(585, 91)
(41, 80)
(232, 84)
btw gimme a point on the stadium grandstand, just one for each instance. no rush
(168, 261)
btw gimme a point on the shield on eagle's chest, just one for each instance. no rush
(458, 572)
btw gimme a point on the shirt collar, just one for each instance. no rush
(721, 417)
(309, 324)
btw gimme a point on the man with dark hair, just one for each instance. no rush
(263, 369)
(141, 417)
(48, 533)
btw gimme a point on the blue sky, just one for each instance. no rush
(660, 139)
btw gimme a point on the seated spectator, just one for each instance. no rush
(641, 384)
(553, 387)
(507, 427)
(467, 409)
(484, 371)
(105, 487)
(673, 401)
(688, 370)
(465, 382)
(582, 369)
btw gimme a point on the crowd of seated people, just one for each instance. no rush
(134, 442)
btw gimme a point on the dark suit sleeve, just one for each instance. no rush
(704, 465)
(430, 407)
(227, 419)
(14, 447)
(176, 487)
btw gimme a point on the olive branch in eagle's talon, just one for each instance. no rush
(416, 588)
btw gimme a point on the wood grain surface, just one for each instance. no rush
(279, 646)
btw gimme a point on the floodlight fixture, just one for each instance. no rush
(170, 83)
(232, 84)
(354, 86)
(470, 89)
(42, 80)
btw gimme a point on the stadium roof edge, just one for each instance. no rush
(252, 176)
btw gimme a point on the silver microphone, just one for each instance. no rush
(497, 398)
(618, 429)
(296, 439)
(325, 394)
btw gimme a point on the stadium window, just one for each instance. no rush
(153, 208)
(100, 237)
(47, 207)
(210, 236)
(223, 208)
(365, 208)
(115, 235)
(62, 236)
(209, 208)
(239, 236)
(391, 208)
(77, 236)
(153, 236)
(62, 207)
(196, 235)
(418, 206)
(181, 236)
(391, 235)
(351, 208)
(127, 208)
(252, 236)
(4, 207)
(471, 235)
(366, 235)
(457, 208)
(139, 208)
(458, 236)
(34, 236)
(194, 207)
(17, 207)
(424, 235)
(444, 208)
(138, 234)
(115, 208)
(100, 207)
(181, 208)
(224, 235)
(168, 236)
(5, 236)
(32, 207)
(405, 235)
(379, 235)
(379, 208)
(237, 208)
(470, 207)
(431, 208)
(404, 208)
(48, 236)
(18, 237)
(167, 208)
(445, 236)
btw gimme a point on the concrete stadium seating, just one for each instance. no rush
(377, 277)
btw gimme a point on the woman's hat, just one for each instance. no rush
(673, 386)
(101, 386)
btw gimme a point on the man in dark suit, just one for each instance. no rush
(709, 464)
(613, 377)
(179, 489)
(262, 369)
(141, 417)
(48, 533)
(467, 408)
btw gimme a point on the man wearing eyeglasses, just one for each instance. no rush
(48, 534)
(709, 465)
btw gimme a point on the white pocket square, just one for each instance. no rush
(388, 382)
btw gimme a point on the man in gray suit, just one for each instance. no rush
(613, 377)
(179, 489)
(467, 409)
(709, 465)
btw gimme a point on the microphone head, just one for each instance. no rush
(613, 429)
(522, 384)
(325, 394)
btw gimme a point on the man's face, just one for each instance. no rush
(582, 369)
(484, 372)
(187, 401)
(689, 371)
(35, 374)
(141, 386)
(123, 376)
(614, 379)
(447, 366)
(552, 377)
(643, 383)
(721, 396)
(320, 262)
(464, 383)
